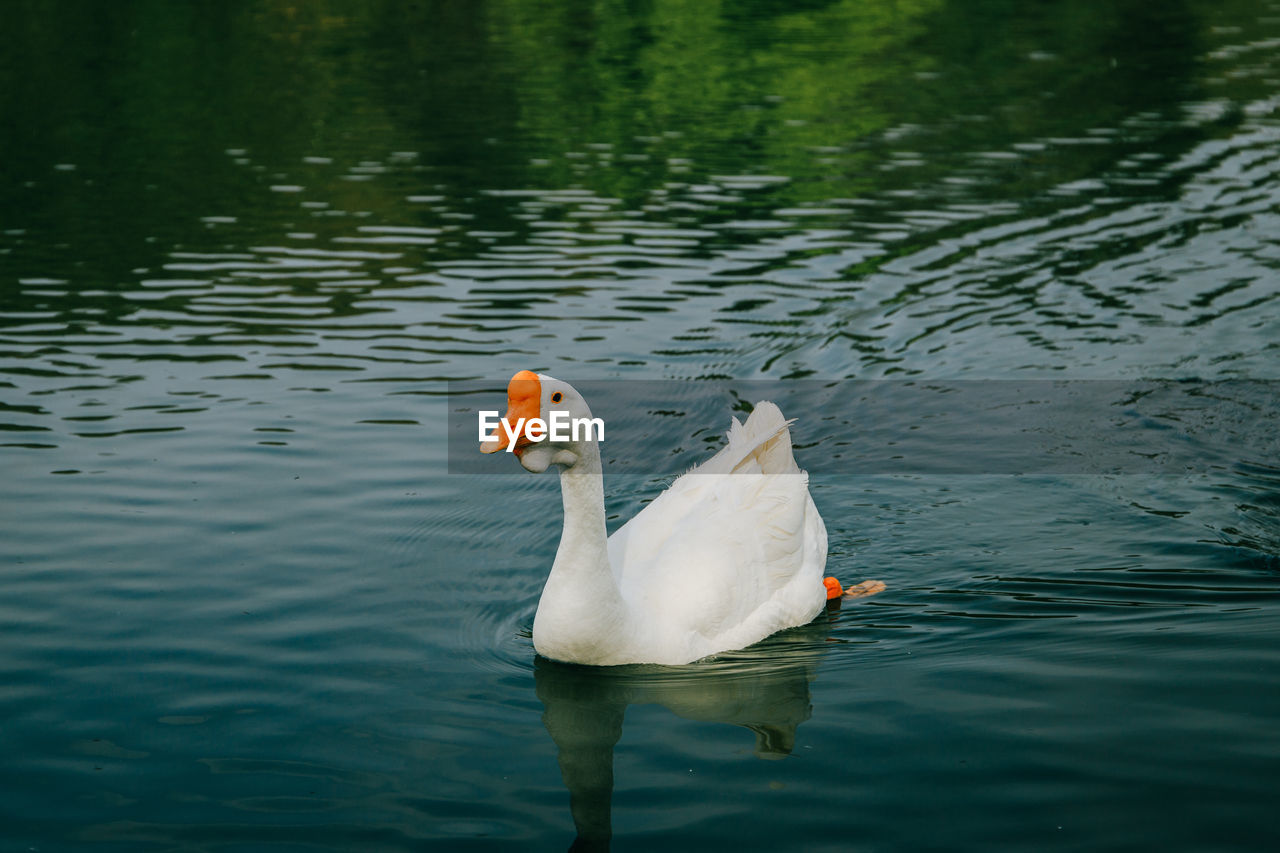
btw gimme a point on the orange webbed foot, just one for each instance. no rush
(864, 589)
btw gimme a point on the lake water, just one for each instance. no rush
(1014, 268)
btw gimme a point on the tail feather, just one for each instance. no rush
(761, 445)
(770, 432)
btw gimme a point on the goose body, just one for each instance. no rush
(731, 552)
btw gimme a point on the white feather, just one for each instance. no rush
(731, 552)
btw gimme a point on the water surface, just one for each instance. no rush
(248, 601)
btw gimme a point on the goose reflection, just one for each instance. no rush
(764, 689)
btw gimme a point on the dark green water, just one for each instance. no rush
(248, 603)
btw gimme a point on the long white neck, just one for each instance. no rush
(581, 615)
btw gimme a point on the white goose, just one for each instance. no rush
(716, 562)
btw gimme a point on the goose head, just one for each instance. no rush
(556, 404)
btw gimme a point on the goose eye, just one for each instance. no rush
(557, 397)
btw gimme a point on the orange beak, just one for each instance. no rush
(524, 400)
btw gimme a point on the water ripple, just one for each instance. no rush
(245, 602)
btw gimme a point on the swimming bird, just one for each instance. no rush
(732, 552)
